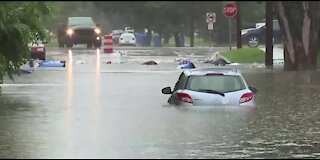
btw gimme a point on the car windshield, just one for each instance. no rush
(220, 83)
(81, 21)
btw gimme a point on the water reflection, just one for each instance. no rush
(16, 136)
(96, 107)
(97, 78)
(288, 114)
(69, 116)
(70, 80)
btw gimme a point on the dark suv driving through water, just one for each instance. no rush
(79, 30)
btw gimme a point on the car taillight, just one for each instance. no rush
(246, 97)
(185, 97)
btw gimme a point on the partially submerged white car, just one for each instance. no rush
(211, 87)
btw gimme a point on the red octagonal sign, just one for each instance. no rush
(230, 10)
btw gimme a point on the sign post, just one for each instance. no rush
(230, 10)
(211, 19)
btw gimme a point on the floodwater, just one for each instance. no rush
(99, 110)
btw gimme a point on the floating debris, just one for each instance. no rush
(150, 63)
(186, 65)
(81, 62)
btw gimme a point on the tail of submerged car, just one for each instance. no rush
(195, 98)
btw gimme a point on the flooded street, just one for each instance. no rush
(92, 109)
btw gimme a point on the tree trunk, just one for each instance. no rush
(269, 34)
(181, 37)
(314, 27)
(192, 32)
(299, 24)
(149, 35)
(239, 42)
(192, 19)
(177, 39)
(288, 65)
(160, 37)
(166, 38)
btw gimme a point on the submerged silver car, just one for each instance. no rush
(211, 87)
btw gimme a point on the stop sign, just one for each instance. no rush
(230, 10)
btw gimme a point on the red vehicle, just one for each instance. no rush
(38, 51)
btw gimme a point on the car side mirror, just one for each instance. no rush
(166, 90)
(254, 90)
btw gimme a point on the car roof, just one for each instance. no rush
(80, 18)
(205, 71)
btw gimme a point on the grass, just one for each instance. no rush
(318, 58)
(245, 55)
(198, 42)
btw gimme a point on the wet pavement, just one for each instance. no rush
(100, 110)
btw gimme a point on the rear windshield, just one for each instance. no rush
(220, 83)
(127, 35)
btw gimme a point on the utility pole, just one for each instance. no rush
(211, 19)
(230, 10)
(239, 26)
(230, 34)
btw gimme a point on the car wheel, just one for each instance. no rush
(69, 45)
(89, 45)
(97, 45)
(253, 41)
(61, 45)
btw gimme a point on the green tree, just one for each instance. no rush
(20, 24)
(173, 17)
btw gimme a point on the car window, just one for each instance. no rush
(181, 82)
(80, 21)
(224, 84)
